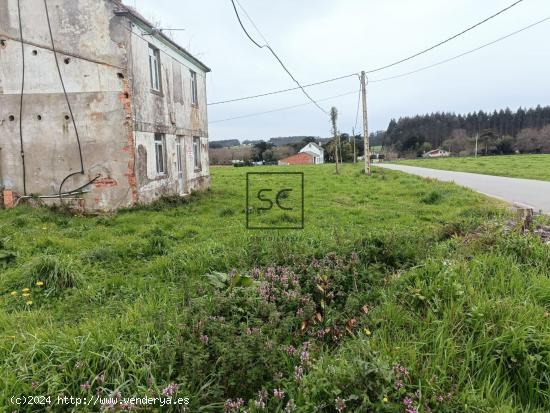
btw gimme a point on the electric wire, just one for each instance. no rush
(371, 70)
(22, 148)
(357, 112)
(251, 21)
(414, 71)
(462, 54)
(81, 172)
(276, 57)
(284, 108)
(378, 69)
(282, 91)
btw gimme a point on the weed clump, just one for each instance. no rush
(432, 198)
(57, 273)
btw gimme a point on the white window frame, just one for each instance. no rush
(154, 68)
(197, 153)
(194, 89)
(160, 154)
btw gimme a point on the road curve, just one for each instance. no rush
(530, 192)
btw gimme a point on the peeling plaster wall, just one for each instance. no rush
(107, 79)
(88, 33)
(171, 113)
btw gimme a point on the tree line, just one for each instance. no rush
(504, 131)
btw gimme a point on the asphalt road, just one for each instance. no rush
(535, 194)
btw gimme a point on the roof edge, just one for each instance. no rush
(126, 11)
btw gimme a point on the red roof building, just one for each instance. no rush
(298, 159)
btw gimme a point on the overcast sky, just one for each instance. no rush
(320, 39)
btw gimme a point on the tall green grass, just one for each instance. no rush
(406, 290)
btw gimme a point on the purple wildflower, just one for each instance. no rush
(262, 398)
(279, 394)
(256, 273)
(204, 339)
(291, 350)
(298, 373)
(233, 405)
(400, 370)
(408, 402)
(304, 357)
(85, 386)
(263, 395)
(170, 390)
(290, 406)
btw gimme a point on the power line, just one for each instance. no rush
(251, 21)
(276, 57)
(357, 112)
(284, 108)
(446, 40)
(368, 71)
(401, 75)
(463, 54)
(281, 91)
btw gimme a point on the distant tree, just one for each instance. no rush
(505, 145)
(457, 143)
(282, 152)
(403, 134)
(259, 149)
(333, 121)
(530, 140)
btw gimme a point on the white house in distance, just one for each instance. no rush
(436, 153)
(315, 151)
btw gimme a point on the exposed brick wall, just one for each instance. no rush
(9, 199)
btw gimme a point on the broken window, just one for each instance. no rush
(154, 68)
(194, 91)
(160, 153)
(197, 152)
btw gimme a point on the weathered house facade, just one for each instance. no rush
(119, 119)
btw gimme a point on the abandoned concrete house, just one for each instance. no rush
(98, 109)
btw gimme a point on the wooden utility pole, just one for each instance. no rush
(354, 152)
(477, 138)
(365, 123)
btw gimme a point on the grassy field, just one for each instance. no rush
(516, 166)
(400, 295)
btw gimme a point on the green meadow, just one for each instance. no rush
(516, 166)
(399, 295)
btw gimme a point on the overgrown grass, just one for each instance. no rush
(517, 166)
(399, 291)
